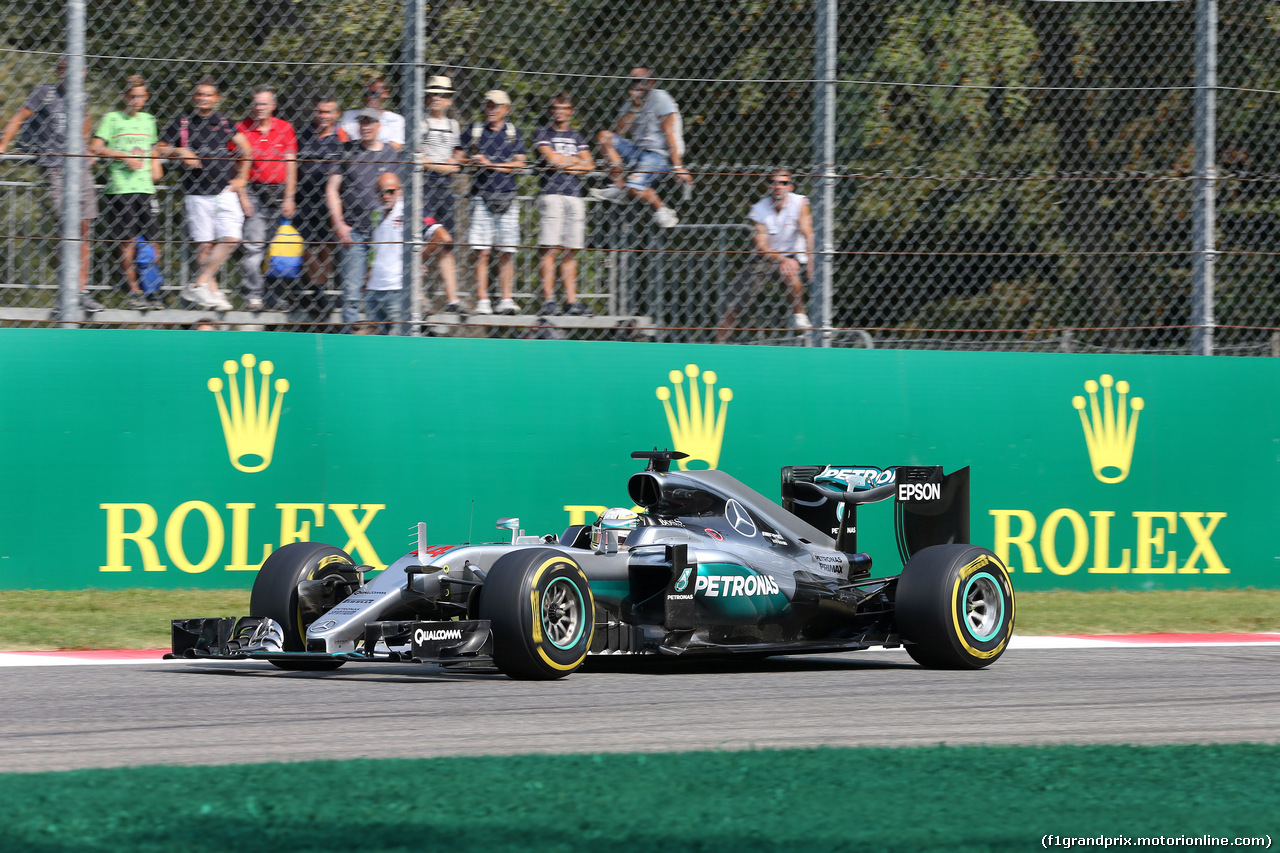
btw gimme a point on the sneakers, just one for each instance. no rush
(138, 301)
(550, 308)
(88, 303)
(198, 294)
(615, 194)
(800, 320)
(253, 303)
(666, 217)
(577, 309)
(508, 307)
(452, 308)
(220, 301)
(483, 306)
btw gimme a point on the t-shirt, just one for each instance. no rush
(783, 226)
(47, 127)
(440, 138)
(317, 160)
(269, 150)
(360, 169)
(136, 135)
(386, 272)
(646, 130)
(390, 126)
(210, 138)
(568, 143)
(500, 146)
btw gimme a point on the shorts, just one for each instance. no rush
(646, 167)
(562, 221)
(215, 217)
(489, 231)
(131, 215)
(744, 290)
(88, 192)
(437, 200)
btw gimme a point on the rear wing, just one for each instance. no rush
(931, 508)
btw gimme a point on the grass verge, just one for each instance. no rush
(139, 618)
(954, 799)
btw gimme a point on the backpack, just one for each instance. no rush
(284, 255)
(150, 279)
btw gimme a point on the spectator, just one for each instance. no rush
(647, 139)
(215, 188)
(496, 149)
(273, 183)
(439, 162)
(391, 129)
(352, 196)
(128, 139)
(320, 147)
(562, 212)
(46, 109)
(384, 300)
(783, 235)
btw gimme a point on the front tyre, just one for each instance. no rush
(955, 607)
(541, 612)
(275, 593)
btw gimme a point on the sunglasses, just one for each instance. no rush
(386, 192)
(782, 183)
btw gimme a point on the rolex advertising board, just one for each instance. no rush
(181, 459)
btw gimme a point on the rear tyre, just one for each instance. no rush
(955, 607)
(275, 593)
(541, 612)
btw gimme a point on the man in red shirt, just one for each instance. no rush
(273, 180)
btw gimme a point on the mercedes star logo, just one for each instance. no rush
(738, 518)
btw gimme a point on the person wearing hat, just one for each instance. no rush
(391, 125)
(352, 197)
(495, 148)
(438, 159)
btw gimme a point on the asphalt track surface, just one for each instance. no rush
(180, 712)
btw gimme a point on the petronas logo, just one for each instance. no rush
(1110, 426)
(249, 421)
(696, 423)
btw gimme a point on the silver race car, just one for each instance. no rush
(708, 567)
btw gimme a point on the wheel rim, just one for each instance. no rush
(562, 613)
(983, 607)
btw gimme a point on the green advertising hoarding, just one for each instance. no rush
(180, 459)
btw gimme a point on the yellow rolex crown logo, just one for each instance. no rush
(249, 423)
(697, 428)
(1109, 431)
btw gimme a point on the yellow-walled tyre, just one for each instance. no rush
(275, 593)
(541, 612)
(955, 607)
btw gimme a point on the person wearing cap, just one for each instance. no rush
(391, 125)
(273, 184)
(562, 213)
(46, 109)
(495, 148)
(352, 197)
(438, 158)
(647, 140)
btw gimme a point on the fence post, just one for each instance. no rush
(824, 158)
(412, 104)
(1205, 177)
(73, 171)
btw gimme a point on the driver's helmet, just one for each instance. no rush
(618, 519)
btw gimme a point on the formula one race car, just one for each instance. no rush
(709, 567)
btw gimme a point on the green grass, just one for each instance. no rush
(139, 619)
(953, 799)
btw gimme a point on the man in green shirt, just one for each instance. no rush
(128, 139)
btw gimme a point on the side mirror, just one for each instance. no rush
(512, 524)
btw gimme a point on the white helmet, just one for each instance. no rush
(620, 520)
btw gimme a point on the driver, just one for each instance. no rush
(617, 519)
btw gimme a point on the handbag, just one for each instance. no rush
(284, 255)
(150, 279)
(498, 202)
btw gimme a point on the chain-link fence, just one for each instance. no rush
(1017, 175)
